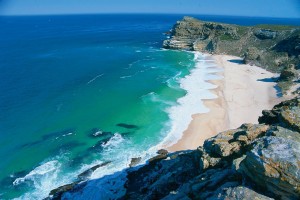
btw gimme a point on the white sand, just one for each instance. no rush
(242, 95)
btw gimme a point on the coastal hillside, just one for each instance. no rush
(273, 47)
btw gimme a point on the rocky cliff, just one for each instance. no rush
(255, 161)
(274, 47)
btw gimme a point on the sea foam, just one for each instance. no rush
(197, 88)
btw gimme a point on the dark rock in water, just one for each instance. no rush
(86, 174)
(49, 136)
(97, 133)
(274, 164)
(265, 34)
(57, 193)
(128, 126)
(135, 161)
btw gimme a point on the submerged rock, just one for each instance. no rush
(128, 126)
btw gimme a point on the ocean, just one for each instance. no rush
(81, 90)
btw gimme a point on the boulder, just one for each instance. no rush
(274, 164)
(135, 161)
(252, 55)
(234, 142)
(288, 73)
(286, 114)
(162, 152)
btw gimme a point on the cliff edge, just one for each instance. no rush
(273, 47)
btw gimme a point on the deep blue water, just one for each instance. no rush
(63, 78)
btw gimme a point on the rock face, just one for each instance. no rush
(264, 34)
(273, 47)
(255, 161)
(274, 164)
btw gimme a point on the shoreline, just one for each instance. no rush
(242, 94)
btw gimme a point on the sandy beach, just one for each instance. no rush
(242, 95)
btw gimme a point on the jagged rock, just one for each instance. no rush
(288, 73)
(289, 44)
(274, 164)
(57, 193)
(87, 173)
(265, 34)
(135, 161)
(284, 133)
(286, 114)
(162, 152)
(242, 193)
(233, 141)
(252, 55)
(208, 185)
(157, 158)
(156, 180)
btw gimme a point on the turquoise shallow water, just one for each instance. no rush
(81, 90)
(75, 78)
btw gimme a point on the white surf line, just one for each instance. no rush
(198, 88)
(93, 79)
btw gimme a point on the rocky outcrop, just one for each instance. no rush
(255, 161)
(274, 164)
(272, 47)
(264, 34)
(286, 114)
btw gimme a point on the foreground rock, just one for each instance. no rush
(274, 164)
